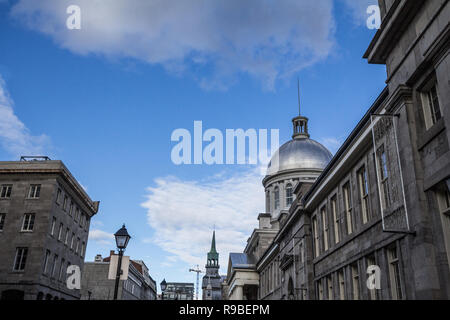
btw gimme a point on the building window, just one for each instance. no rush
(47, 256)
(72, 241)
(60, 231)
(316, 237)
(370, 260)
(28, 222)
(5, 192)
(330, 287)
(66, 240)
(323, 213)
(444, 208)
(21, 259)
(35, 191)
(384, 176)
(348, 207)
(71, 208)
(364, 194)
(66, 200)
(431, 106)
(55, 261)
(78, 245)
(335, 219)
(61, 269)
(83, 248)
(58, 196)
(355, 281)
(341, 284)
(277, 197)
(289, 195)
(394, 273)
(268, 201)
(2, 220)
(52, 230)
(320, 289)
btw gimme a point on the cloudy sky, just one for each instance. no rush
(105, 99)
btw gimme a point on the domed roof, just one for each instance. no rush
(301, 153)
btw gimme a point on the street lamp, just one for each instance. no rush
(122, 238)
(163, 285)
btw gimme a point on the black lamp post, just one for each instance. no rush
(122, 238)
(163, 285)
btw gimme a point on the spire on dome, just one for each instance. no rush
(300, 123)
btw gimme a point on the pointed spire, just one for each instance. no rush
(300, 123)
(213, 243)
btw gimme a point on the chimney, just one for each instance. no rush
(112, 253)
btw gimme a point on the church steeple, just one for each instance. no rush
(300, 123)
(213, 255)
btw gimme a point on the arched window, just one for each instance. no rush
(289, 195)
(267, 201)
(277, 197)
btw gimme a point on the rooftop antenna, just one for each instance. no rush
(298, 93)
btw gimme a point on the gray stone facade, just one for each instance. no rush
(95, 284)
(45, 224)
(384, 199)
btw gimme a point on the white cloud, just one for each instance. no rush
(183, 214)
(359, 9)
(101, 237)
(216, 40)
(15, 137)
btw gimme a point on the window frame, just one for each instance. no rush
(2, 221)
(34, 191)
(347, 197)
(28, 222)
(23, 259)
(6, 191)
(363, 186)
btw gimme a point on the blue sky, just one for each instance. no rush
(105, 99)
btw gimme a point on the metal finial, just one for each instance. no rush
(298, 93)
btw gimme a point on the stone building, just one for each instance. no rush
(212, 281)
(95, 284)
(44, 225)
(381, 205)
(178, 291)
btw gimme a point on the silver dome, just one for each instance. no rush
(300, 154)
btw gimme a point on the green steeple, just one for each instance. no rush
(213, 256)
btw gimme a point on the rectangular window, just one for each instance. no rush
(355, 281)
(316, 237)
(47, 256)
(320, 289)
(61, 228)
(77, 212)
(66, 241)
(348, 207)
(370, 260)
(78, 245)
(28, 222)
(5, 192)
(73, 240)
(66, 200)
(335, 219)
(384, 176)
(58, 196)
(341, 284)
(83, 248)
(71, 208)
(52, 230)
(330, 287)
(21, 259)
(2, 220)
(364, 194)
(394, 274)
(444, 208)
(323, 213)
(431, 106)
(55, 262)
(61, 270)
(35, 191)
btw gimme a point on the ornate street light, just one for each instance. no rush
(122, 238)
(163, 285)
